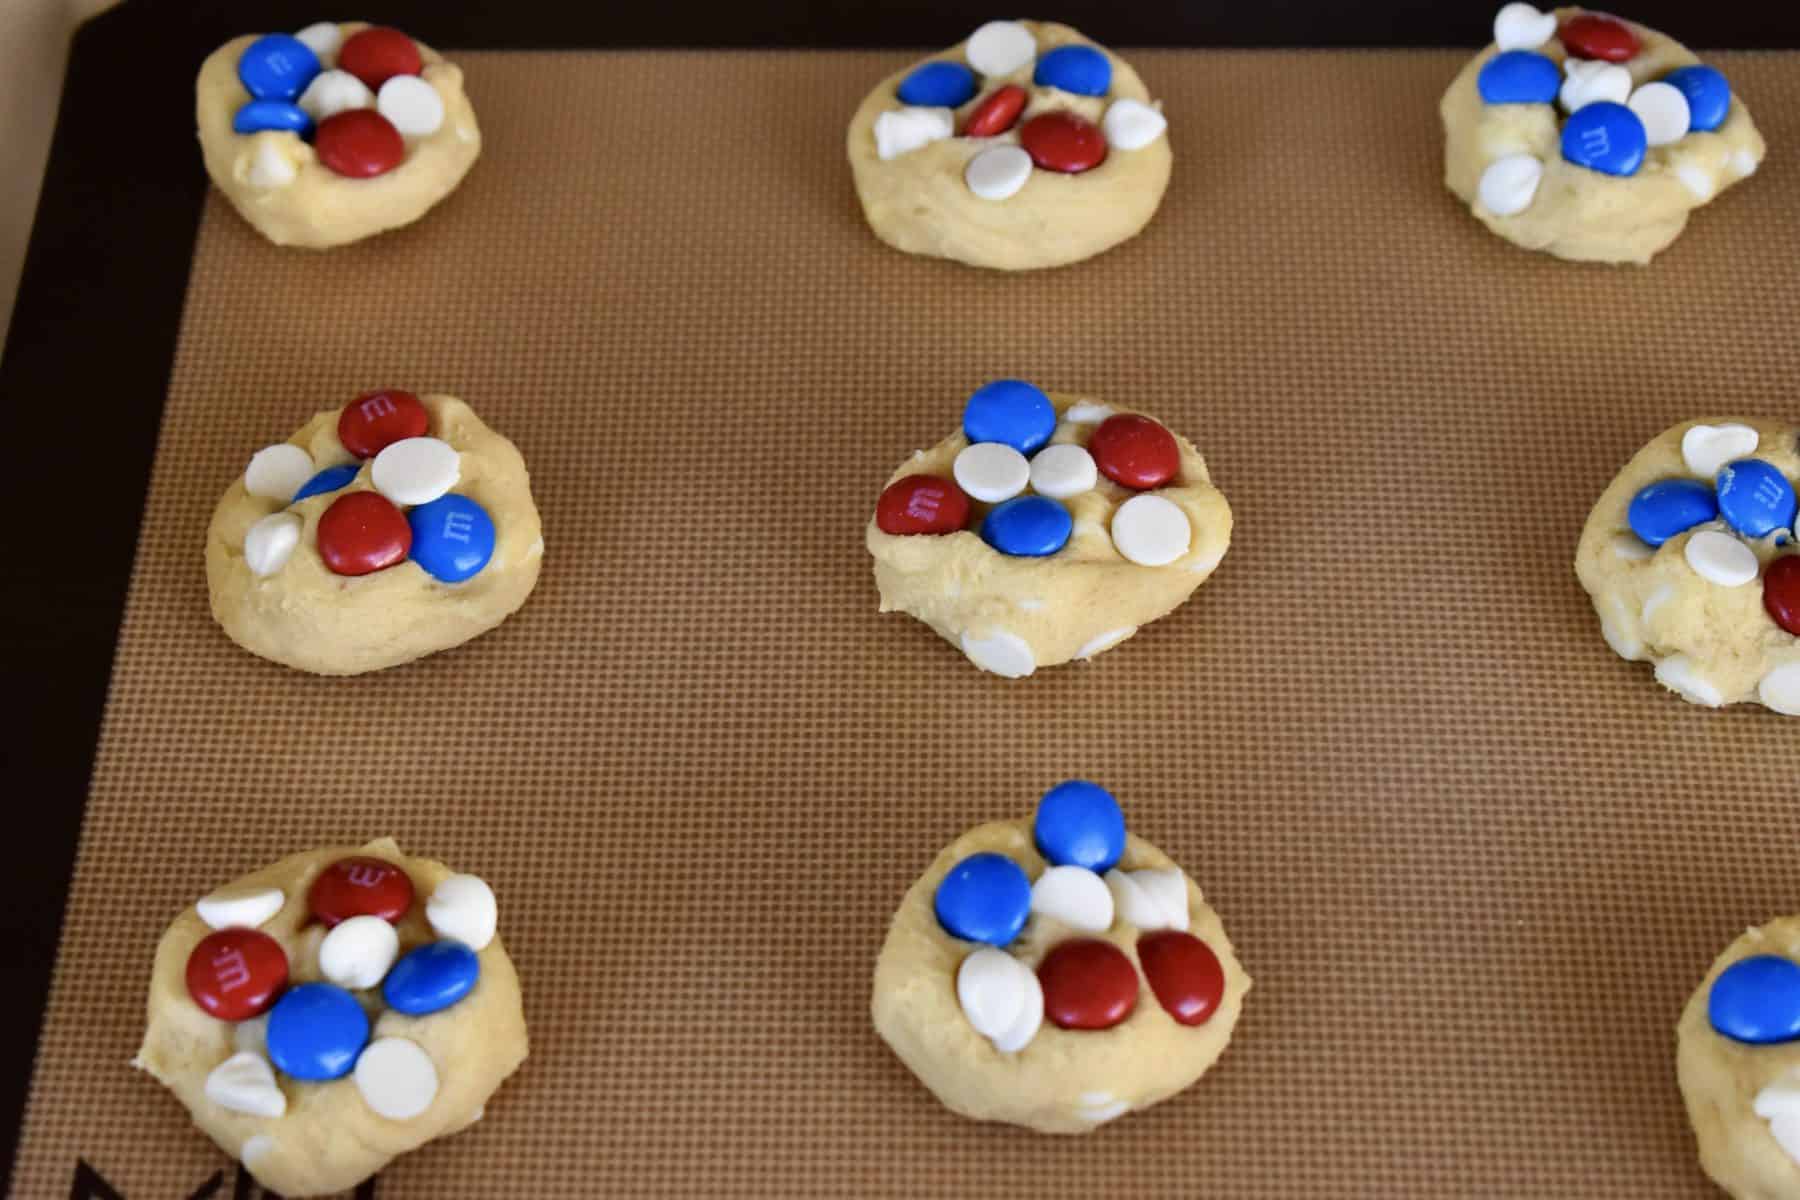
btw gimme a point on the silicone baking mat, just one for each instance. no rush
(1474, 862)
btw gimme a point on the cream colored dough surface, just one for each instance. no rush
(1720, 1078)
(329, 1140)
(1064, 1081)
(1578, 213)
(1710, 644)
(320, 208)
(1076, 603)
(918, 202)
(305, 616)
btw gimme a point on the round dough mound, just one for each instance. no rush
(1577, 213)
(306, 616)
(1720, 1079)
(1064, 1081)
(918, 201)
(276, 181)
(329, 1140)
(1710, 644)
(1077, 603)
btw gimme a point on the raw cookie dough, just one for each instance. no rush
(275, 179)
(326, 1137)
(1010, 614)
(1050, 1078)
(920, 196)
(1700, 606)
(1506, 160)
(1743, 1098)
(304, 614)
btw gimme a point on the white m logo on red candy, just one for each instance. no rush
(375, 406)
(365, 876)
(231, 971)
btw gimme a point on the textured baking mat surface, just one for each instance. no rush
(1474, 862)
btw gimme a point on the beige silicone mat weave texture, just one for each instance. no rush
(1474, 862)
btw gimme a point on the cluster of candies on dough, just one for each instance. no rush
(357, 98)
(1756, 1001)
(1056, 140)
(1083, 983)
(449, 535)
(1739, 497)
(319, 1031)
(1611, 125)
(1009, 424)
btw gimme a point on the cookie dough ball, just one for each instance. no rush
(378, 533)
(1056, 972)
(1050, 528)
(1026, 146)
(1737, 1057)
(1690, 559)
(327, 1014)
(1590, 137)
(335, 133)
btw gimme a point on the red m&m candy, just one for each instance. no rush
(922, 504)
(360, 143)
(1135, 452)
(1062, 141)
(374, 421)
(235, 974)
(376, 55)
(362, 533)
(996, 114)
(1593, 36)
(1184, 973)
(1781, 592)
(360, 887)
(1088, 984)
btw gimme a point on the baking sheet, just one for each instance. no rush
(1474, 862)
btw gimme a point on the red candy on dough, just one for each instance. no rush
(1135, 452)
(359, 144)
(1594, 36)
(360, 886)
(235, 974)
(374, 421)
(922, 504)
(361, 533)
(1184, 973)
(1062, 141)
(996, 114)
(376, 55)
(1088, 984)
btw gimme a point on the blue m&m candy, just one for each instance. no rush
(1755, 498)
(984, 898)
(1079, 825)
(432, 977)
(1708, 95)
(1011, 412)
(1605, 137)
(1082, 70)
(277, 67)
(316, 1031)
(1519, 77)
(1028, 527)
(1668, 507)
(1757, 1000)
(278, 115)
(938, 85)
(452, 537)
(328, 480)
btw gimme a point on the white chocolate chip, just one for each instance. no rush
(1075, 896)
(1001, 652)
(333, 92)
(1720, 558)
(357, 953)
(1000, 48)
(1104, 641)
(1085, 413)
(256, 1146)
(1697, 179)
(1151, 531)
(1780, 1098)
(416, 470)
(323, 39)
(1628, 547)
(1663, 108)
(1510, 184)
(1100, 1107)
(463, 908)
(245, 1083)
(998, 172)
(1624, 642)
(1153, 898)
(270, 168)
(906, 129)
(1677, 673)
(1780, 690)
(412, 105)
(277, 472)
(270, 542)
(1001, 998)
(247, 907)
(396, 1078)
(1744, 162)
(991, 472)
(1591, 81)
(1131, 124)
(1656, 599)
(1063, 470)
(1706, 448)
(1522, 27)
(1785, 1129)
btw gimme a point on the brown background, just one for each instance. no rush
(1474, 862)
